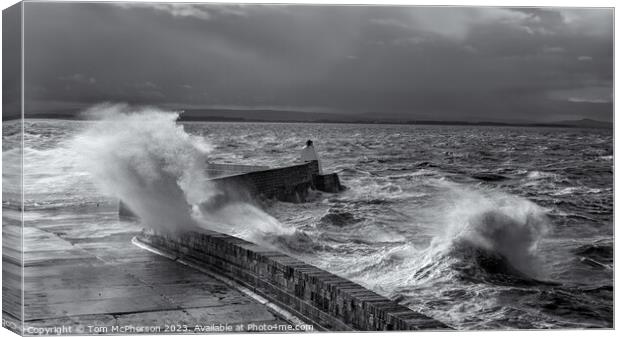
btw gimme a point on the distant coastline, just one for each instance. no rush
(587, 124)
(583, 123)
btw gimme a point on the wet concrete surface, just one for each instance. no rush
(81, 270)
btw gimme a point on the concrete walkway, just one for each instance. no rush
(82, 272)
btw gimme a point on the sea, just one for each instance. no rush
(479, 227)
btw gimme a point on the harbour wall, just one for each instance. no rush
(289, 183)
(215, 170)
(318, 297)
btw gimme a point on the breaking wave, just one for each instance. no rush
(482, 236)
(495, 232)
(144, 158)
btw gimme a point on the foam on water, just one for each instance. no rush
(244, 220)
(482, 245)
(475, 228)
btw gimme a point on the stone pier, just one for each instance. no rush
(320, 298)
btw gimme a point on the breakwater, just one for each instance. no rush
(288, 183)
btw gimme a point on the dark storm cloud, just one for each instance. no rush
(396, 62)
(11, 63)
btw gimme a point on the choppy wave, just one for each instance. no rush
(599, 254)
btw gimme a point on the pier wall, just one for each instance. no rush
(215, 170)
(321, 298)
(290, 183)
(240, 182)
(328, 183)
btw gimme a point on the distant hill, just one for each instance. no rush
(316, 117)
(587, 123)
(239, 115)
(312, 117)
(257, 115)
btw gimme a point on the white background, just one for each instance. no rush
(526, 3)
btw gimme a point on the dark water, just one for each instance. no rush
(478, 227)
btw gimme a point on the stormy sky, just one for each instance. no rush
(437, 63)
